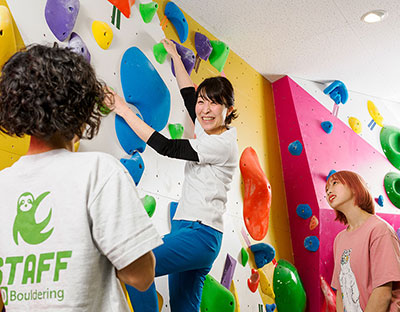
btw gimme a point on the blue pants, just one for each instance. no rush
(187, 256)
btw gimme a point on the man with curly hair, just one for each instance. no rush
(71, 223)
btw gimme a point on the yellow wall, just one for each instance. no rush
(256, 127)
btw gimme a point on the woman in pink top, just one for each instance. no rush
(367, 253)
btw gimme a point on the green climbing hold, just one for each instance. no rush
(104, 109)
(175, 130)
(219, 54)
(392, 187)
(390, 142)
(147, 11)
(160, 53)
(289, 291)
(149, 204)
(216, 298)
(244, 256)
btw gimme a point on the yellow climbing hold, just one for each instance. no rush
(355, 124)
(265, 285)
(8, 45)
(234, 292)
(373, 111)
(103, 34)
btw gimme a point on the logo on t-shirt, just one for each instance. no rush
(25, 222)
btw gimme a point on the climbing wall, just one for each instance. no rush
(162, 177)
(299, 116)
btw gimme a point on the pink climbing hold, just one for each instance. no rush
(257, 195)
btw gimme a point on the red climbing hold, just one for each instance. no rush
(124, 6)
(257, 195)
(254, 280)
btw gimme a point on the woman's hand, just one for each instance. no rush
(170, 48)
(116, 103)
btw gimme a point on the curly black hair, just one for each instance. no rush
(47, 91)
(220, 90)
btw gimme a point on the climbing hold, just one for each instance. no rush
(295, 148)
(235, 295)
(135, 166)
(219, 54)
(202, 45)
(390, 142)
(76, 145)
(102, 33)
(288, 288)
(160, 54)
(265, 285)
(392, 187)
(8, 45)
(61, 16)
(257, 195)
(187, 57)
(355, 124)
(128, 138)
(253, 280)
(229, 269)
(313, 223)
(77, 45)
(327, 126)
(337, 92)
(172, 210)
(124, 6)
(330, 296)
(175, 15)
(311, 243)
(373, 111)
(304, 211)
(270, 307)
(379, 200)
(175, 130)
(329, 174)
(147, 11)
(143, 87)
(244, 256)
(263, 254)
(149, 204)
(215, 297)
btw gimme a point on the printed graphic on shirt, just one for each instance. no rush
(34, 276)
(25, 223)
(348, 284)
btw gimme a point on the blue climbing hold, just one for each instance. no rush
(330, 173)
(337, 92)
(311, 243)
(295, 148)
(263, 254)
(327, 126)
(176, 17)
(135, 166)
(144, 88)
(128, 139)
(304, 211)
(380, 200)
(270, 307)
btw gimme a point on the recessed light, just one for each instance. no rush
(374, 16)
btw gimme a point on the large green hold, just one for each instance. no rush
(160, 53)
(390, 141)
(149, 204)
(392, 187)
(219, 54)
(289, 291)
(216, 298)
(147, 11)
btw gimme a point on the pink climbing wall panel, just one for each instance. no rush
(299, 117)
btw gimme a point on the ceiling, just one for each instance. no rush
(317, 40)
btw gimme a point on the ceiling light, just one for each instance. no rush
(374, 16)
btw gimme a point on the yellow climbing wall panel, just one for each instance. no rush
(11, 149)
(256, 127)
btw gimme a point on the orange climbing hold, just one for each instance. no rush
(254, 280)
(257, 195)
(124, 6)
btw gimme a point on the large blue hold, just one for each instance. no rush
(176, 17)
(263, 254)
(311, 243)
(337, 91)
(144, 88)
(295, 148)
(135, 166)
(304, 211)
